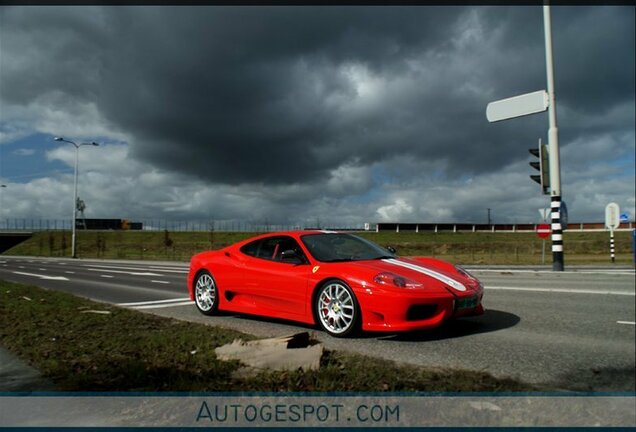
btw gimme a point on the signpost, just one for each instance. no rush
(612, 221)
(517, 106)
(543, 231)
(531, 103)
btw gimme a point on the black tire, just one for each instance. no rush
(206, 294)
(336, 309)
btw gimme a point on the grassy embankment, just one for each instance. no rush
(126, 350)
(462, 248)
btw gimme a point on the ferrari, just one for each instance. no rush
(339, 281)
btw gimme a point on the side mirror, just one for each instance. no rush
(391, 249)
(290, 256)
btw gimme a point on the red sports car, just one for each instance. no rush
(342, 282)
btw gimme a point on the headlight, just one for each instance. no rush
(392, 279)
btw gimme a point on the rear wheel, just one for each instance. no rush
(206, 294)
(337, 309)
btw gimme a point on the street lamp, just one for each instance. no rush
(77, 146)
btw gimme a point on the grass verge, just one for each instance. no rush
(127, 350)
(460, 248)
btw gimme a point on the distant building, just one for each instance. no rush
(108, 224)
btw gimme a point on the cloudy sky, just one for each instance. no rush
(293, 115)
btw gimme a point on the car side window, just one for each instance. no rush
(251, 248)
(272, 248)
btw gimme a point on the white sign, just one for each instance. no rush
(544, 212)
(517, 106)
(612, 216)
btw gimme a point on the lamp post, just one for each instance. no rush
(77, 146)
(2, 186)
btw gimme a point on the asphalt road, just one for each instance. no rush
(572, 330)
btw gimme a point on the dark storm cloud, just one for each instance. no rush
(268, 94)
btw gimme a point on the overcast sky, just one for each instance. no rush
(293, 115)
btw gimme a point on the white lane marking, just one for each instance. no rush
(164, 305)
(124, 272)
(41, 276)
(626, 322)
(69, 272)
(159, 282)
(62, 263)
(171, 270)
(602, 272)
(21, 267)
(180, 299)
(107, 276)
(440, 277)
(561, 290)
(42, 269)
(170, 267)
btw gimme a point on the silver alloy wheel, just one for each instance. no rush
(336, 308)
(205, 292)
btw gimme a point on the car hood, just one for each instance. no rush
(442, 276)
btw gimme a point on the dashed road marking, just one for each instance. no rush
(107, 276)
(124, 272)
(159, 281)
(154, 268)
(561, 290)
(186, 303)
(156, 304)
(581, 271)
(626, 322)
(47, 277)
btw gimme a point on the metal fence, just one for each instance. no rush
(25, 224)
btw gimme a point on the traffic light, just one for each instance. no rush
(543, 166)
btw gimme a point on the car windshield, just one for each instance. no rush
(327, 247)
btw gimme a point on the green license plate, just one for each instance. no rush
(467, 303)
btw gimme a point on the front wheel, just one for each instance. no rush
(337, 309)
(206, 294)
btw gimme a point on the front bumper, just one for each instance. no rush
(415, 310)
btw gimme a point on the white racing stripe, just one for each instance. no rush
(440, 277)
(560, 290)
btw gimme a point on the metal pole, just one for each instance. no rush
(553, 143)
(74, 201)
(612, 254)
(543, 252)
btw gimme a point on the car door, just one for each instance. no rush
(278, 282)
